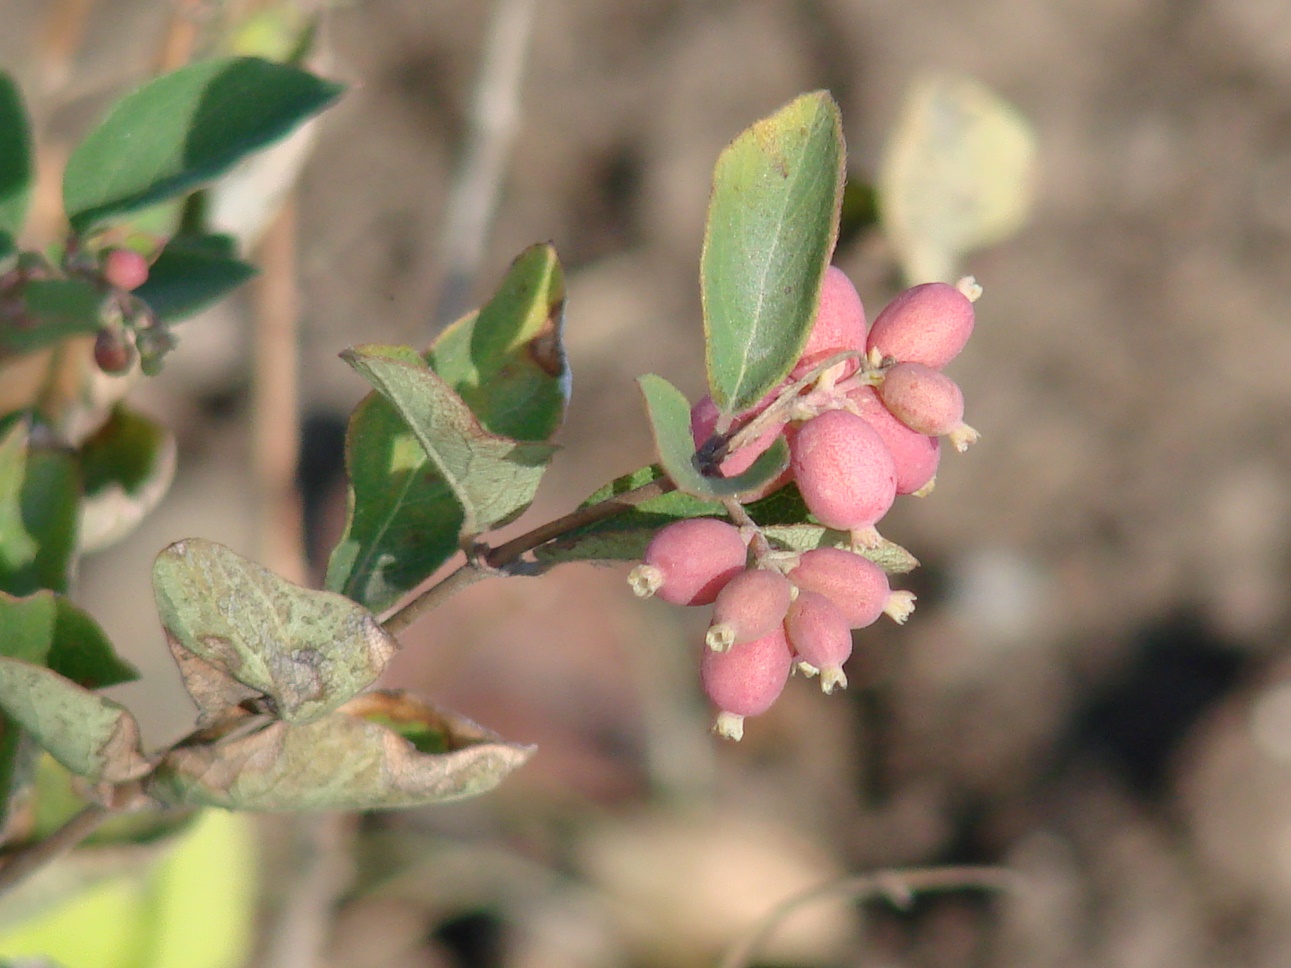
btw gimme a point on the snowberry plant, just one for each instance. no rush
(764, 499)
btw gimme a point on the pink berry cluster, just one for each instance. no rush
(863, 412)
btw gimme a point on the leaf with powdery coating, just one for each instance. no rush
(383, 750)
(307, 651)
(92, 736)
(772, 224)
(493, 477)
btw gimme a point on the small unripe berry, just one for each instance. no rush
(857, 586)
(746, 680)
(839, 324)
(125, 269)
(689, 561)
(916, 455)
(927, 401)
(818, 632)
(750, 606)
(113, 352)
(845, 472)
(927, 324)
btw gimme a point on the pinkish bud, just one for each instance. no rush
(703, 422)
(818, 632)
(927, 401)
(839, 324)
(927, 324)
(915, 455)
(856, 585)
(751, 605)
(844, 470)
(688, 562)
(125, 269)
(746, 680)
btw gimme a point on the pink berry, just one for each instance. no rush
(928, 324)
(688, 562)
(845, 472)
(746, 680)
(927, 401)
(703, 421)
(857, 586)
(750, 606)
(916, 455)
(125, 269)
(839, 324)
(818, 632)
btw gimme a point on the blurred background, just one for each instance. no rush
(1095, 688)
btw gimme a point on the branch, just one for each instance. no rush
(25, 861)
(899, 887)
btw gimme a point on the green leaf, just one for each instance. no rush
(184, 129)
(308, 651)
(16, 170)
(670, 423)
(47, 629)
(772, 224)
(403, 520)
(92, 736)
(55, 309)
(507, 362)
(190, 274)
(40, 491)
(128, 465)
(958, 174)
(492, 477)
(349, 760)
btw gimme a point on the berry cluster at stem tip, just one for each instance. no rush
(863, 412)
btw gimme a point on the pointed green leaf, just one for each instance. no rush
(772, 224)
(403, 520)
(958, 174)
(40, 492)
(507, 362)
(493, 478)
(184, 129)
(189, 275)
(307, 651)
(128, 465)
(55, 309)
(350, 760)
(91, 736)
(47, 629)
(16, 170)
(670, 422)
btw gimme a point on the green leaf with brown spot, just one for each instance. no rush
(238, 630)
(349, 760)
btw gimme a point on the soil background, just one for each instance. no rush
(1094, 690)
